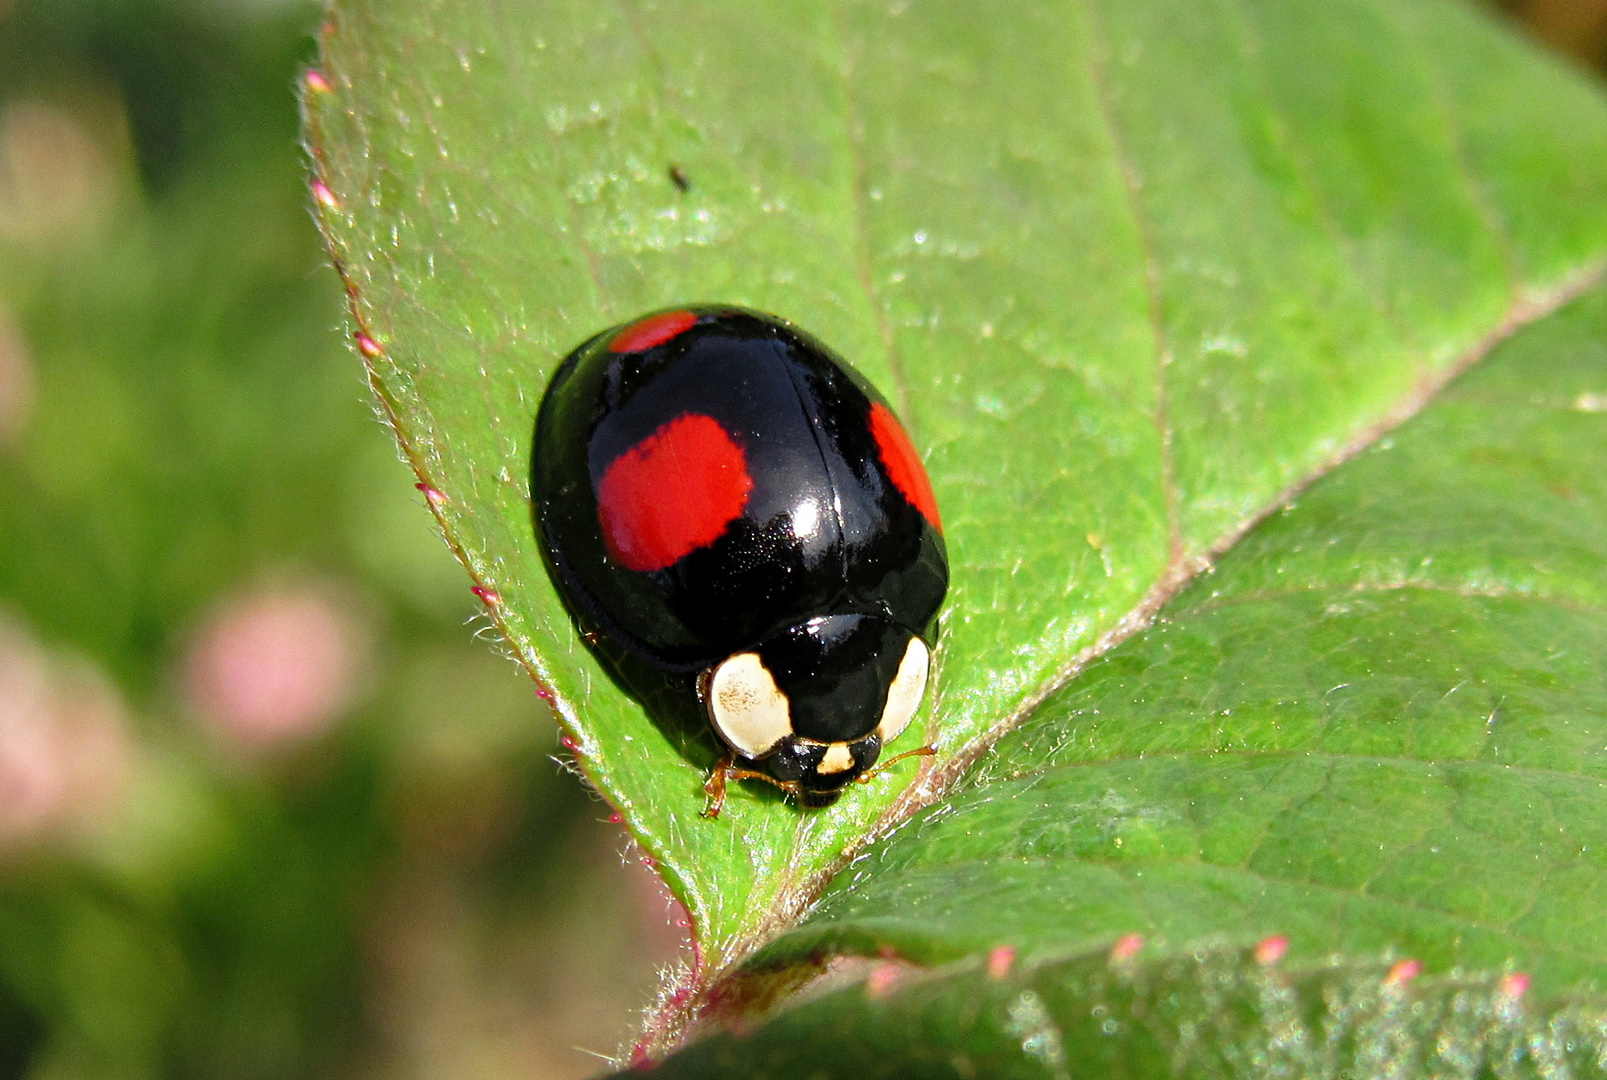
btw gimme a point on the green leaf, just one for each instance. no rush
(1211, 1013)
(1381, 722)
(1131, 271)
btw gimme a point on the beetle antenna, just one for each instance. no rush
(919, 751)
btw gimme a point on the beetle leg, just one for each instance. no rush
(725, 771)
(714, 786)
(919, 751)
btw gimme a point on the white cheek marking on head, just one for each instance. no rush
(904, 696)
(749, 712)
(837, 759)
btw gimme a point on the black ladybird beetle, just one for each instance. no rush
(727, 501)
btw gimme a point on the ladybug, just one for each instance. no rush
(725, 500)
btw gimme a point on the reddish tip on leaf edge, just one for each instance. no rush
(325, 197)
(882, 980)
(489, 597)
(367, 345)
(569, 743)
(433, 495)
(651, 331)
(1403, 973)
(1514, 985)
(1271, 950)
(316, 82)
(1126, 948)
(1000, 961)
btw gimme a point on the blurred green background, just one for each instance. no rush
(267, 806)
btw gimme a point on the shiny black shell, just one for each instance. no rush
(825, 527)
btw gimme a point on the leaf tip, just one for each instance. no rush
(1513, 985)
(1270, 950)
(882, 980)
(1126, 948)
(324, 197)
(366, 345)
(1403, 972)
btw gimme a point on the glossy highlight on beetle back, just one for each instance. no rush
(721, 497)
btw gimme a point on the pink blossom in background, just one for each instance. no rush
(16, 382)
(277, 666)
(33, 786)
(65, 753)
(61, 168)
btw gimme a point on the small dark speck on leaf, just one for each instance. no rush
(679, 179)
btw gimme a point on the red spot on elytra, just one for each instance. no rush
(653, 330)
(674, 492)
(902, 463)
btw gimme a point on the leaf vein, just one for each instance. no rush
(1131, 186)
(853, 124)
(1344, 244)
(1456, 138)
